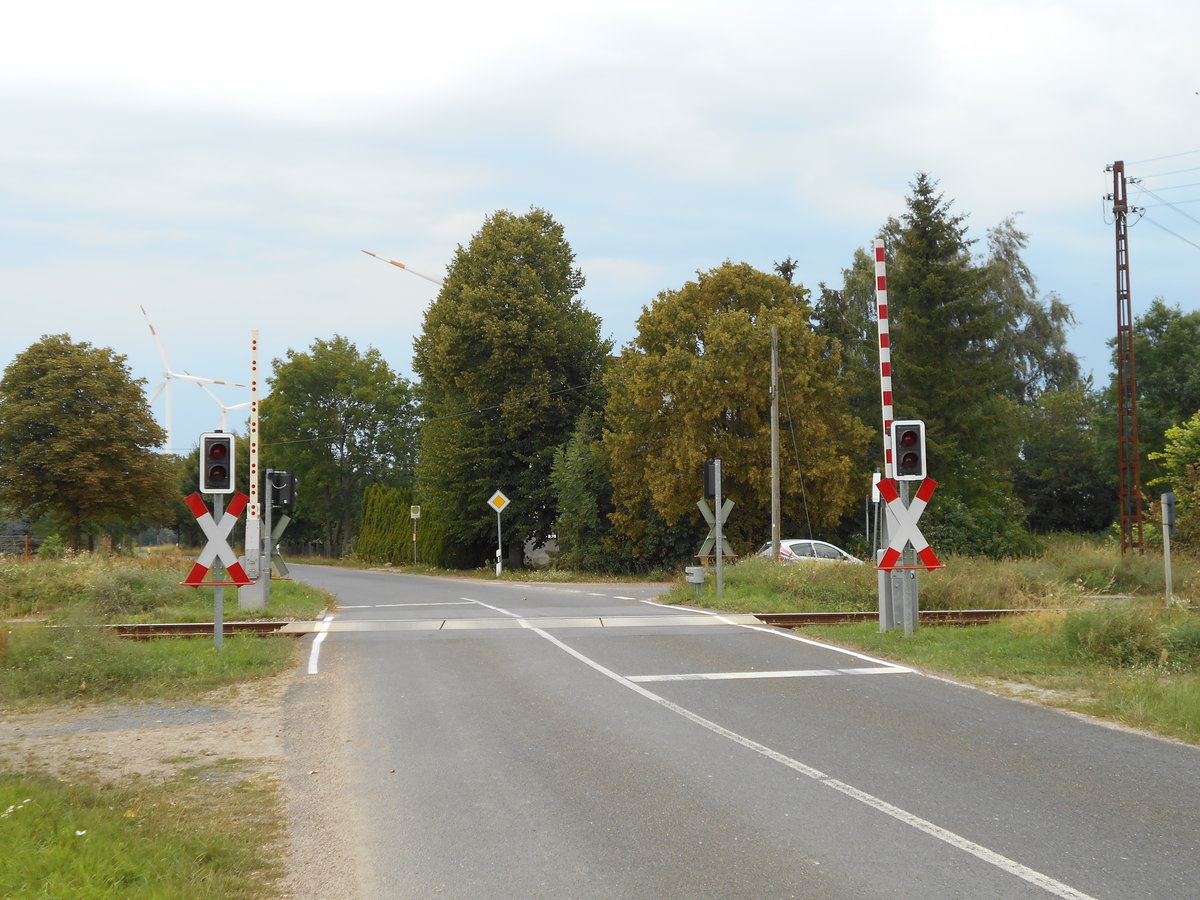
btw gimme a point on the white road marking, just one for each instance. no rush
(494, 608)
(784, 634)
(431, 603)
(618, 597)
(315, 652)
(796, 673)
(1045, 882)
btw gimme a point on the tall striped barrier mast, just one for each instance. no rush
(887, 617)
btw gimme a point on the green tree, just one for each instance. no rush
(583, 494)
(1061, 476)
(340, 419)
(695, 384)
(77, 440)
(1166, 346)
(1179, 461)
(508, 358)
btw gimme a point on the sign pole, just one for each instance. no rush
(720, 548)
(218, 590)
(499, 503)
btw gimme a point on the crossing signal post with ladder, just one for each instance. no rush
(904, 461)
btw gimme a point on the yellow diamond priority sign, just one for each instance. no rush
(498, 502)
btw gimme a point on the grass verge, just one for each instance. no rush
(56, 665)
(1033, 657)
(172, 839)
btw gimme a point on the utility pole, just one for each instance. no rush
(775, 536)
(1129, 491)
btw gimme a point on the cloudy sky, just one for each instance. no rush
(222, 166)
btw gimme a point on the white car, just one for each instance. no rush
(804, 550)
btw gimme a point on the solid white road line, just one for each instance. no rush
(1045, 882)
(431, 603)
(797, 673)
(315, 652)
(783, 634)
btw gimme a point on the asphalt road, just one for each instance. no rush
(491, 739)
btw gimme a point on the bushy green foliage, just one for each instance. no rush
(987, 523)
(385, 535)
(1135, 634)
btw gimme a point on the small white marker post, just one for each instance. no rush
(498, 502)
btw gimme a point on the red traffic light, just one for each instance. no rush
(908, 447)
(216, 463)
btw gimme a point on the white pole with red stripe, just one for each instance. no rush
(885, 356)
(887, 616)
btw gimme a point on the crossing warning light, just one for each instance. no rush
(908, 450)
(216, 463)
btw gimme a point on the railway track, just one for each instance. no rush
(927, 617)
(139, 632)
(781, 620)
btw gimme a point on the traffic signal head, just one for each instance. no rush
(216, 463)
(283, 489)
(908, 450)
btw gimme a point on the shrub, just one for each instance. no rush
(1115, 635)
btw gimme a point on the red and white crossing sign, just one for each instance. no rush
(904, 530)
(218, 540)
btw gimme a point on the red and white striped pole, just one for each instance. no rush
(885, 357)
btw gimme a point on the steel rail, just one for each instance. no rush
(928, 617)
(145, 631)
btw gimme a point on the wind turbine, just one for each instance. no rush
(170, 375)
(404, 267)
(224, 409)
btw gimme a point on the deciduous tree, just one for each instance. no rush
(695, 384)
(341, 419)
(77, 440)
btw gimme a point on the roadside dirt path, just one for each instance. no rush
(120, 743)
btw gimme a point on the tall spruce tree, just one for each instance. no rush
(508, 357)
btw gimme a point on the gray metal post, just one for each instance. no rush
(218, 570)
(775, 512)
(1166, 536)
(267, 537)
(908, 577)
(720, 540)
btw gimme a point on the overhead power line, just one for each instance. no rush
(1170, 232)
(1142, 162)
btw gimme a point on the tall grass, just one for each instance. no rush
(54, 665)
(103, 588)
(1072, 571)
